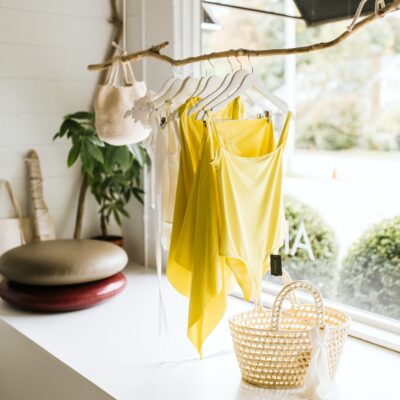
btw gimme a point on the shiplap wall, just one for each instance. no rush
(45, 46)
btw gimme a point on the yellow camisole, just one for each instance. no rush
(252, 217)
(199, 244)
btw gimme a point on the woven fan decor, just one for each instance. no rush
(273, 346)
(42, 221)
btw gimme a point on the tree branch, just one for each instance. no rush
(154, 51)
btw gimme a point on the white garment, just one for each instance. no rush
(163, 149)
(317, 382)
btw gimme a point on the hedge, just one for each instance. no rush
(370, 276)
(323, 271)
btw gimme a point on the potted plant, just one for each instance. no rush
(111, 172)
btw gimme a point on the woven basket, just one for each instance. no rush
(273, 346)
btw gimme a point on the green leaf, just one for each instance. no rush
(123, 212)
(117, 217)
(63, 129)
(96, 141)
(94, 151)
(73, 154)
(87, 160)
(82, 115)
(124, 158)
(56, 135)
(72, 125)
(137, 193)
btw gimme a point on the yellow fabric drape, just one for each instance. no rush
(207, 239)
(192, 134)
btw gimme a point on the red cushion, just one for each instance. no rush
(61, 298)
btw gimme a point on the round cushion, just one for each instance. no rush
(62, 262)
(61, 298)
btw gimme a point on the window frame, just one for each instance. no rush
(367, 326)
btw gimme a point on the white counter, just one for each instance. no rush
(116, 346)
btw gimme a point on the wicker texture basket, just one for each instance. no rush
(273, 346)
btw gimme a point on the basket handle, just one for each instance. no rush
(286, 278)
(308, 287)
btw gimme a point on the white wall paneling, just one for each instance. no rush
(45, 46)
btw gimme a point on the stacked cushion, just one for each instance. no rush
(61, 298)
(62, 275)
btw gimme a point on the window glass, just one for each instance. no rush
(342, 184)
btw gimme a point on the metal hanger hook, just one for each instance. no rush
(251, 65)
(230, 63)
(213, 66)
(240, 63)
(203, 63)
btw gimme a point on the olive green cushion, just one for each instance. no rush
(62, 262)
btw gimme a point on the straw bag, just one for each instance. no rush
(112, 101)
(274, 347)
(17, 230)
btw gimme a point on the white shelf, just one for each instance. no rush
(117, 347)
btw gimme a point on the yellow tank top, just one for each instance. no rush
(211, 272)
(249, 180)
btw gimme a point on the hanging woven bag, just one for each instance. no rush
(277, 348)
(112, 101)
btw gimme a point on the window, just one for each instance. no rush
(343, 163)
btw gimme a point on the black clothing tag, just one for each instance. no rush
(276, 265)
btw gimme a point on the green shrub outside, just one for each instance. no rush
(323, 271)
(370, 276)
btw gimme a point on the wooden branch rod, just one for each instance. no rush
(154, 51)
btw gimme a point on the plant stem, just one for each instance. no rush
(103, 226)
(116, 21)
(81, 203)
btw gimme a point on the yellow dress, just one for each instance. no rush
(192, 134)
(224, 209)
(211, 270)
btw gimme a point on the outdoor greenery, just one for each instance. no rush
(345, 100)
(338, 90)
(323, 270)
(112, 172)
(370, 277)
(337, 131)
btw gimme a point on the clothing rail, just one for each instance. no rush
(154, 51)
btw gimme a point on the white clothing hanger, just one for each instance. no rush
(171, 92)
(202, 83)
(231, 87)
(209, 97)
(206, 99)
(167, 84)
(186, 90)
(211, 83)
(252, 81)
(170, 87)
